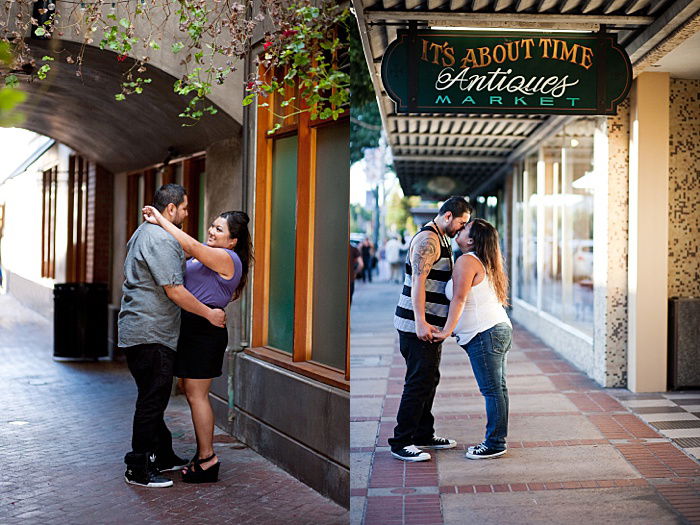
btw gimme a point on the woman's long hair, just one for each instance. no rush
(238, 229)
(487, 248)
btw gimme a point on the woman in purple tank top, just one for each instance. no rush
(216, 274)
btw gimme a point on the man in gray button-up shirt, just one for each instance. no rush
(149, 326)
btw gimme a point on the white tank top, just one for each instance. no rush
(482, 310)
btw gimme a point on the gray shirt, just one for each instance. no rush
(154, 259)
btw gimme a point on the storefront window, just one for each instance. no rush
(527, 240)
(555, 215)
(300, 284)
(578, 177)
(330, 248)
(282, 244)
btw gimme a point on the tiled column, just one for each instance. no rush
(611, 217)
(648, 233)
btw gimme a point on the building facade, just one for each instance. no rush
(285, 387)
(598, 214)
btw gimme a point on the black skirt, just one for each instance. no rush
(200, 349)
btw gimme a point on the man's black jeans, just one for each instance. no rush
(415, 422)
(152, 368)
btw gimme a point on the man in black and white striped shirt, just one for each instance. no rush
(422, 311)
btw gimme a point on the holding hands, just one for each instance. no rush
(428, 332)
(440, 335)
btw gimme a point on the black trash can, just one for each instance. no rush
(80, 321)
(684, 343)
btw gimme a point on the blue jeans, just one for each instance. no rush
(487, 353)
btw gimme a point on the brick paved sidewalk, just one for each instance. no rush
(576, 455)
(64, 431)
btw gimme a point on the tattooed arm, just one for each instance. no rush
(425, 251)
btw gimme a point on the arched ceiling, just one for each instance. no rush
(82, 112)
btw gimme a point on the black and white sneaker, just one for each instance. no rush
(481, 451)
(146, 479)
(170, 464)
(411, 453)
(438, 443)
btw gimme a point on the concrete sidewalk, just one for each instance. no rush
(64, 430)
(576, 455)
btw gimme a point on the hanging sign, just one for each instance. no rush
(433, 71)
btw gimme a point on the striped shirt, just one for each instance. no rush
(437, 304)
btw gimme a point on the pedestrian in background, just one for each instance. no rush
(367, 250)
(356, 265)
(393, 256)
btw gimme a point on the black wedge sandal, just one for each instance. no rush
(196, 474)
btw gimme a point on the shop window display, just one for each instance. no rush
(555, 252)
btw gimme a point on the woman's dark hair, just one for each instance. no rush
(237, 222)
(487, 248)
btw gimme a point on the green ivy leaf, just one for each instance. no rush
(177, 47)
(40, 31)
(11, 98)
(11, 81)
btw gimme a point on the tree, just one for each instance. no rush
(365, 120)
(305, 46)
(398, 213)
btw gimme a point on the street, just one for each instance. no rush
(66, 428)
(576, 454)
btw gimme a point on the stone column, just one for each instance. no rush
(610, 234)
(648, 233)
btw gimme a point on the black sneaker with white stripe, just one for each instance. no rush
(170, 464)
(481, 451)
(140, 470)
(438, 443)
(410, 453)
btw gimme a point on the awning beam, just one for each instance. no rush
(509, 20)
(466, 159)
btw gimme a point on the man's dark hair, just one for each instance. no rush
(168, 193)
(457, 205)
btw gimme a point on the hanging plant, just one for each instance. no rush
(309, 53)
(211, 38)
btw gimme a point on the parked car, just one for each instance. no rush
(583, 260)
(356, 238)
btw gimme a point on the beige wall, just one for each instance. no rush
(119, 238)
(648, 232)
(22, 235)
(684, 190)
(224, 192)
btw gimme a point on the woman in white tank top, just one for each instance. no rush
(478, 293)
